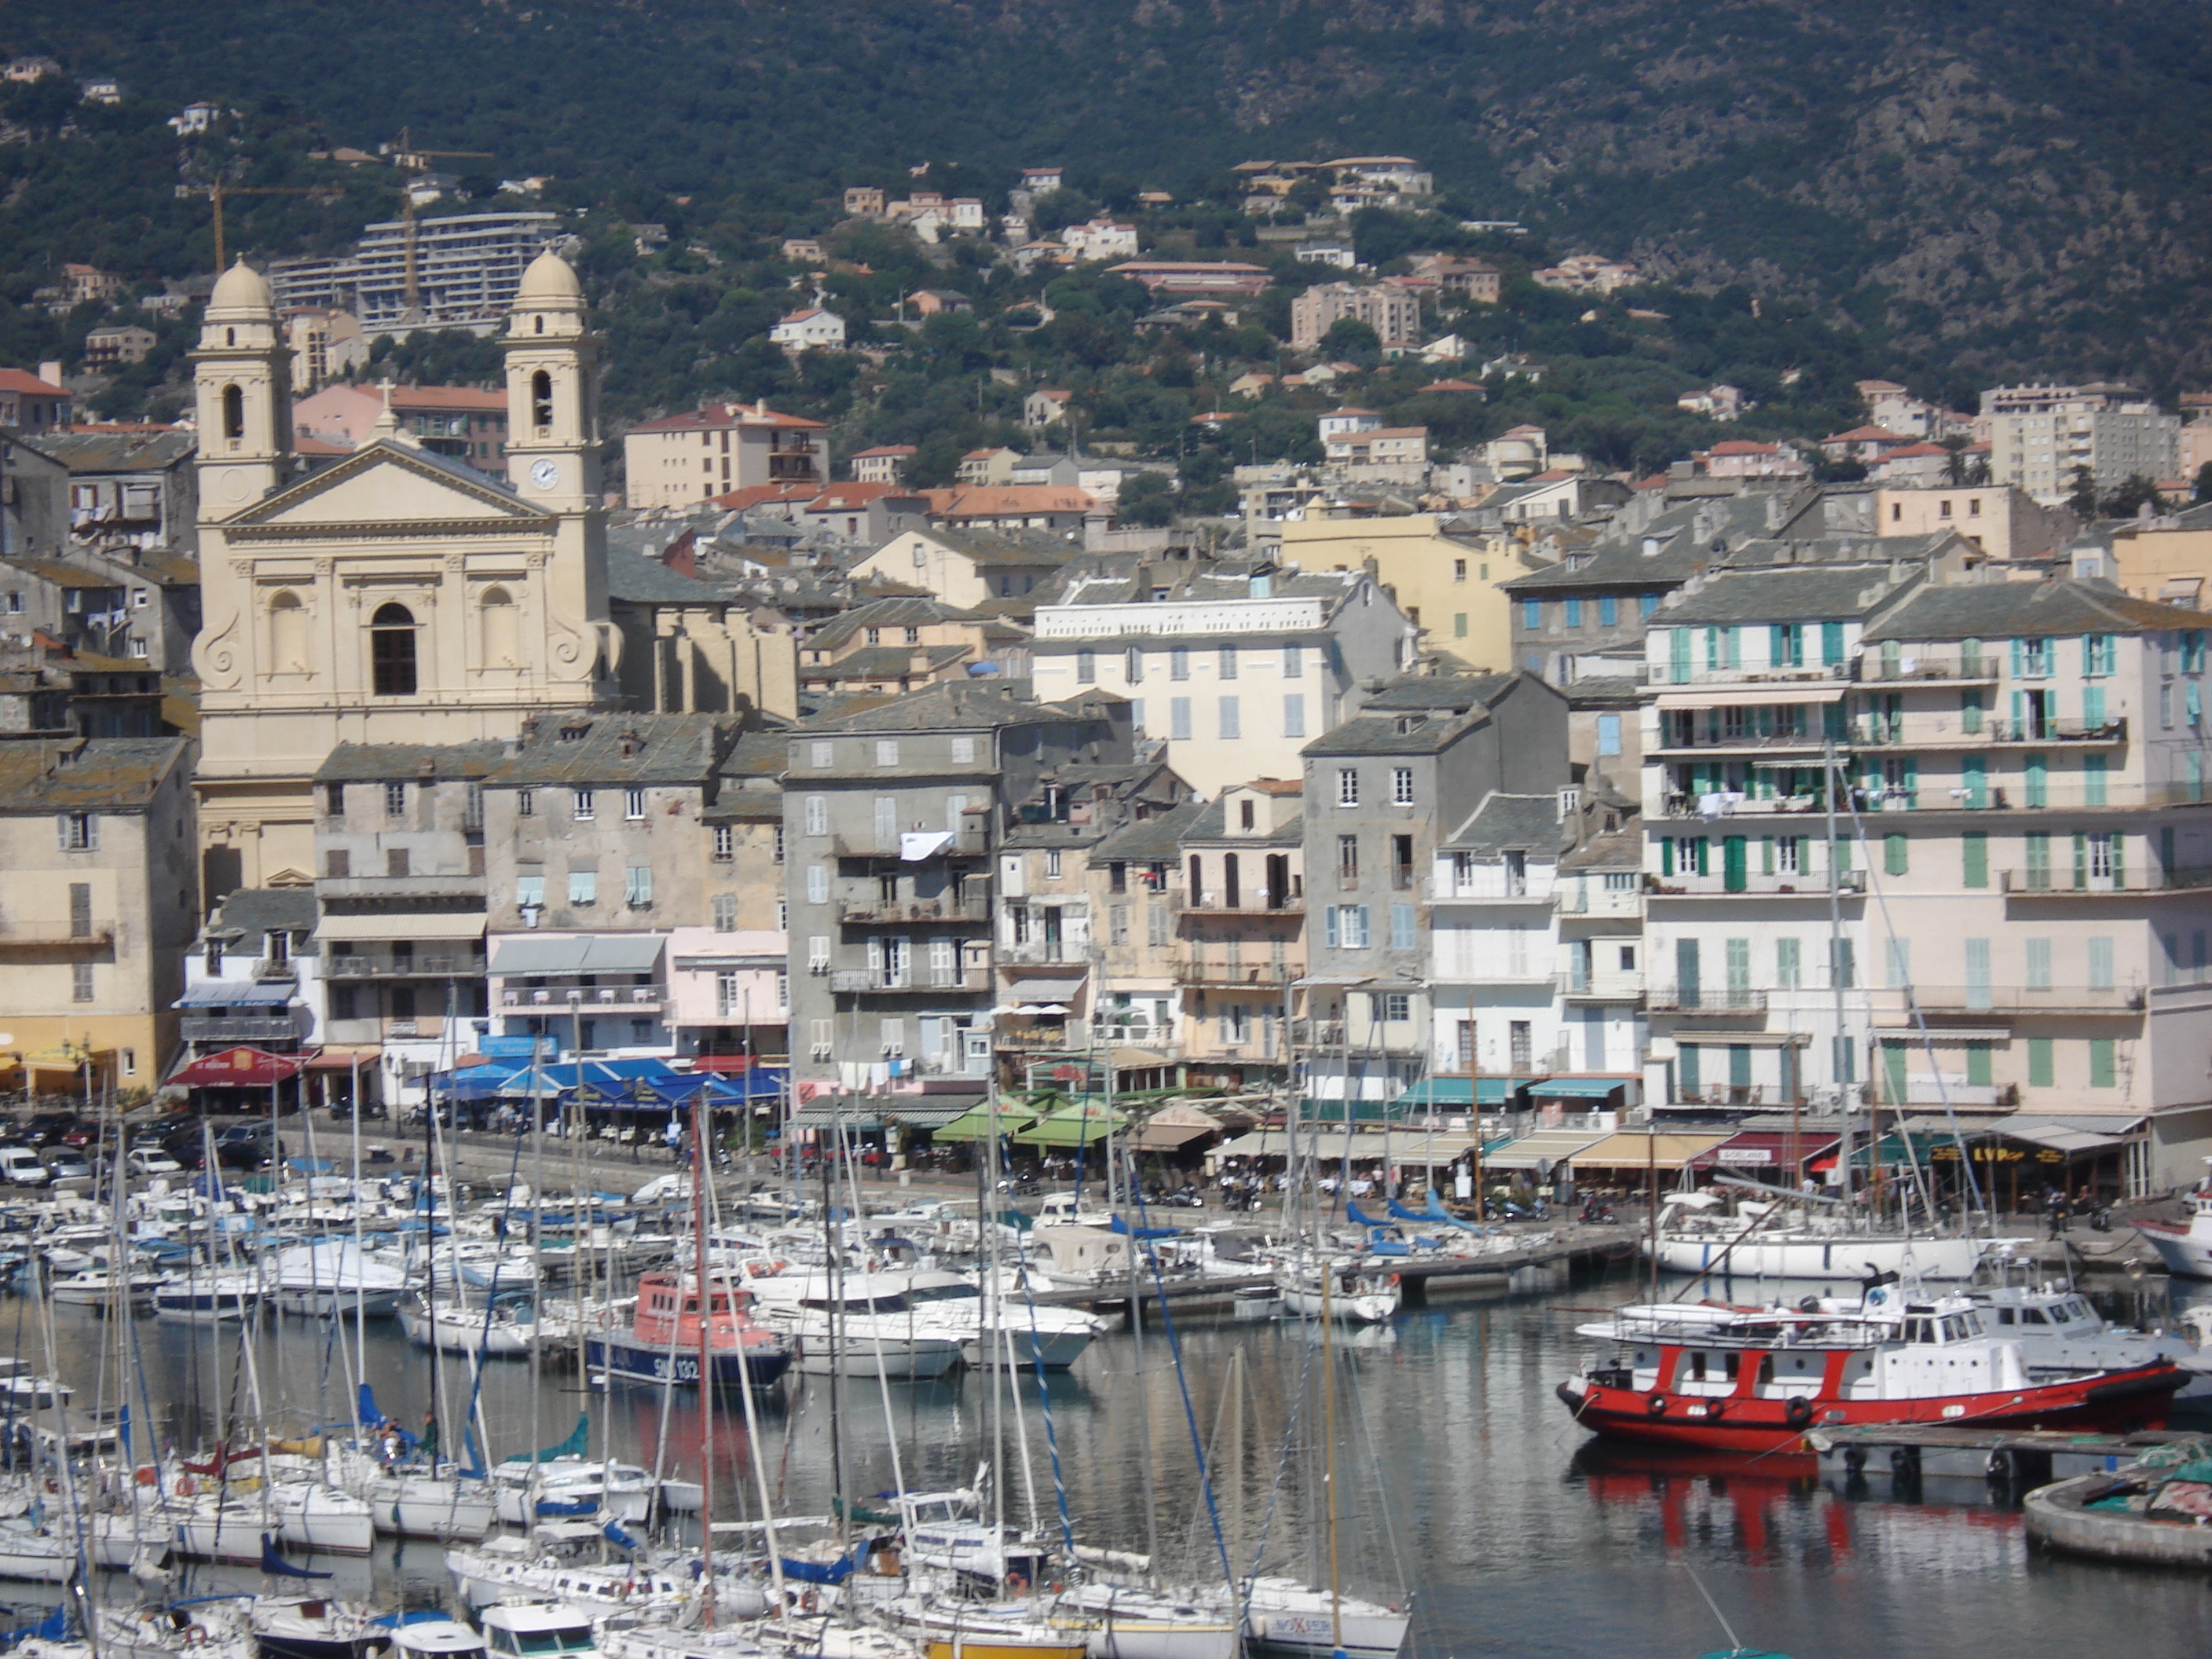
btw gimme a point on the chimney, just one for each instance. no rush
(50, 372)
(1774, 512)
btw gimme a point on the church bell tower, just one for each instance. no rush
(552, 392)
(242, 377)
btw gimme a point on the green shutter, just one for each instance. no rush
(1734, 874)
(1893, 1066)
(1978, 1075)
(2081, 859)
(2040, 1070)
(1666, 855)
(1893, 855)
(2103, 1068)
(1974, 855)
(1840, 856)
(1974, 776)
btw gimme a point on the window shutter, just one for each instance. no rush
(61, 831)
(2017, 655)
(1329, 926)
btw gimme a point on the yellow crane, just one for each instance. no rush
(414, 162)
(217, 192)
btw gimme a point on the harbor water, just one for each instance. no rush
(1462, 1482)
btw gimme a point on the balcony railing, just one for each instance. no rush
(1664, 674)
(557, 998)
(1533, 888)
(2065, 881)
(969, 841)
(1753, 886)
(1246, 902)
(440, 967)
(854, 980)
(1743, 740)
(268, 969)
(1218, 970)
(863, 911)
(1601, 987)
(2063, 792)
(240, 1030)
(1707, 1001)
(1912, 733)
(1741, 1094)
(1067, 1037)
(423, 885)
(1942, 1000)
(1906, 670)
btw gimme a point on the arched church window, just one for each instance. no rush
(288, 633)
(391, 652)
(498, 611)
(230, 336)
(541, 400)
(233, 411)
(540, 321)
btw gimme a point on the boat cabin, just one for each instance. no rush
(530, 1629)
(668, 1309)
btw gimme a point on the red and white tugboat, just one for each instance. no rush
(1755, 1379)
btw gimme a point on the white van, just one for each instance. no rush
(19, 1166)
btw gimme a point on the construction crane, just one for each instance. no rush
(414, 162)
(217, 192)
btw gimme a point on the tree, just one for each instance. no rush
(1146, 500)
(2083, 495)
(2134, 493)
(1354, 341)
(2203, 490)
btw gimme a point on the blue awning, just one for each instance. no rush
(1457, 1092)
(220, 993)
(1580, 1088)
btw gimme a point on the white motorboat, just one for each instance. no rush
(527, 1493)
(1290, 1620)
(933, 1304)
(335, 1276)
(415, 1637)
(552, 1562)
(207, 1296)
(506, 1328)
(317, 1629)
(97, 1287)
(2185, 1247)
(1141, 1624)
(536, 1630)
(1694, 1236)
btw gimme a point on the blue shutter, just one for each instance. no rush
(1328, 926)
(2017, 655)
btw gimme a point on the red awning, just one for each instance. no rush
(1765, 1148)
(724, 1062)
(238, 1068)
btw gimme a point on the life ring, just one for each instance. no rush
(1714, 1409)
(186, 1485)
(195, 1635)
(1798, 1412)
(1656, 1405)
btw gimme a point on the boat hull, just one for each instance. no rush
(991, 1645)
(1351, 1308)
(1840, 1257)
(1059, 1350)
(495, 1342)
(629, 1362)
(901, 1359)
(1311, 1635)
(431, 1509)
(2186, 1253)
(325, 1302)
(2118, 1401)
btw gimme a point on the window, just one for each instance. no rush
(80, 832)
(1156, 924)
(1347, 861)
(1402, 929)
(1227, 668)
(391, 652)
(1347, 786)
(1086, 668)
(783, 916)
(1179, 663)
(1608, 610)
(80, 900)
(1179, 720)
(824, 754)
(337, 864)
(1843, 964)
(583, 806)
(1346, 925)
(396, 861)
(1532, 615)
(1294, 714)
(2104, 1063)
(1974, 856)
(637, 886)
(1132, 666)
(395, 802)
(1294, 662)
(1570, 614)
(815, 815)
(2101, 971)
(1895, 861)
(817, 884)
(725, 842)
(2040, 1070)
(1459, 570)
(526, 803)
(887, 751)
(963, 751)
(1646, 604)
(1786, 965)
(1608, 734)
(530, 892)
(633, 804)
(81, 989)
(1117, 924)
(583, 887)
(1396, 1007)
(725, 913)
(1232, 725)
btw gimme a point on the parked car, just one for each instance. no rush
(237, 1146)
(46, 1129)
(19, 1166)
(152, 1161)
(65, 1164)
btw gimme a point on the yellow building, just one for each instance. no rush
(98, 903)
(1450, 586)
(2168, 559)
(395, 597)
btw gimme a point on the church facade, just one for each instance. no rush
(396, 597)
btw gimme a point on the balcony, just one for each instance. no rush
(1319, 1033)
(409, 967)
(585, 999)
(874, 982)
(269, 970)
(1744, 742)
(879, 912)
(1905, 670)
(1707, 1002)
(1490, 887)
(425, 885)
(1943, 1002)
(240, 1031)
(1245, 903)
(1741, 1094)
(2065, 881)
(1994, 734)
(969, 841)
(1219, 971)
(1578, 897)
(1068, 1036)
(1663, 674)
(56, 936)
(1851, 883)
(1601, 987)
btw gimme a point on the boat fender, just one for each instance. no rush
(807, 1602)
(145, 1474)
(1656, 1405)
(1875, 1297)
(1798, 1412)
(1810, 1304)
(1714, 1409)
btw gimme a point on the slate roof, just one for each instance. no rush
(88, 774)
(433, 763)
(669, 749)
(2008, 610)
(901, 612)
(1211, 824)
(1380, 734)
(1507, 823)
(251, 911)
(1457, 692)
(116, 452)
(886, 662)
(1018, 548)
(1783, 593)
(950, 705)
(1145, 840)
(1619, 560)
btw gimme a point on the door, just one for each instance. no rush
(1733, 869)
(1053, 933)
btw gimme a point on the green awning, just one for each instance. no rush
(1579, 1088)
(975, 1123)
(1458, 1091)
(1075, 1127)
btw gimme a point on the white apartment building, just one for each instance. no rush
(2010, 916)
(1235, 672)
(467, 269)
(2040, 435)
(704, 453)
(1394, 314)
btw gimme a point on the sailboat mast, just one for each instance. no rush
(706, 1362)
(1329, 1454)
(1834, 782)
